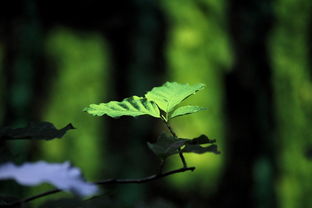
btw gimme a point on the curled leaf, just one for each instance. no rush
(61, 175)
(133, 106)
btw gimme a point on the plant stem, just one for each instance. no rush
(182, 158)
(180, 153)
(171, 130)
(107, 181)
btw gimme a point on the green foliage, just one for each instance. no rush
(73, 52)
(39, 130)
(291, 78)
(133, 106)
(198, 50)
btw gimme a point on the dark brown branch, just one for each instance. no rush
(107, 181)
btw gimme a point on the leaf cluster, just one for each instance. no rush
(161, 102)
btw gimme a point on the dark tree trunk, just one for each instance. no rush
(310, 45)
(138, 65)
(23, 68)
(250, 162)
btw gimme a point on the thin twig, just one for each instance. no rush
(107, 181)
(23, 201)
(146, 179)
(53, 191)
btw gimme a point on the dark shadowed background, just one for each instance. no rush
(57, 57)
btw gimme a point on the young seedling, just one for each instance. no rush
(161, 103)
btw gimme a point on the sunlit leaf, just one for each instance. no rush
(166, 145)
(61, 175)
(38, 130)
(184, 110)
(171, 94)
(133, 106)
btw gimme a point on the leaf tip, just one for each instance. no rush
(70, 126)
(85, 109)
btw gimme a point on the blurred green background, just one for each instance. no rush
(254, 56)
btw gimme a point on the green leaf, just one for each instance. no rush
(166, 145)
(184, 110)
(171, 94)
(38, 130)
(133, 106)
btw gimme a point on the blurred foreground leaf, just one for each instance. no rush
(61, 175)
(39, 130)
